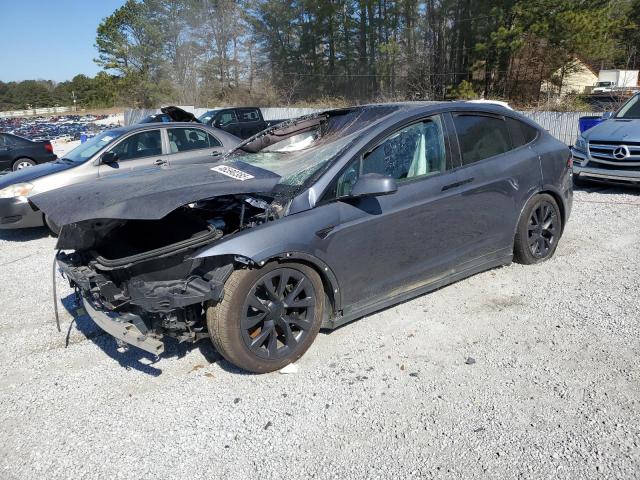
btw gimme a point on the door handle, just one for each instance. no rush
(160, 162)
(457, 184)
(215, 154)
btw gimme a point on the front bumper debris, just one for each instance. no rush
(128, 328)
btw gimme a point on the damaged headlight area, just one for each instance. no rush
(16, 190)
(138, 278)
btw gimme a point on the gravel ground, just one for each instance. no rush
(554, 391)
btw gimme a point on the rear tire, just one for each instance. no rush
(539, 230)
(262, 328)
(22, 163)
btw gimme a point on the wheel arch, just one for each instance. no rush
(328, 278)
(556, 196)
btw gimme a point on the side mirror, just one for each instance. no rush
(607, 115)
(373, 185)
(109, 157)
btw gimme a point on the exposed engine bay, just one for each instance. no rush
(130, 267)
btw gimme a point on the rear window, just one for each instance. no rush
(521, 133)
(481, 137)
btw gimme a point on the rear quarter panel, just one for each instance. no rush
(556, 174)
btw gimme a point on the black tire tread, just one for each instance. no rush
(221, 327)
(18, 160)
(521, 253)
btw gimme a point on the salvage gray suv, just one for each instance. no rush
(312, 223)
(610, 151)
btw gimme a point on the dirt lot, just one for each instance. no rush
(554, 391)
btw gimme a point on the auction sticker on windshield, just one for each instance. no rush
(232, 172)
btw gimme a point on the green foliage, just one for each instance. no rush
(100, 91)
(463, 91)
(291, 51)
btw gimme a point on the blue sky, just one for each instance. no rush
(50, 39)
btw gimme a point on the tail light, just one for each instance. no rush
(570, 161)
(48, 147)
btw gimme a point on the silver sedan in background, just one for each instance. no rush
(113, 151)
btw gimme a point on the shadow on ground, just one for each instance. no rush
(24, 234)
(134, 358)
(606, 189)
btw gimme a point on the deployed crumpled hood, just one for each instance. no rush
(151, 194)
(32, 173)
(615, 130)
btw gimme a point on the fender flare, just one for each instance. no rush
(548, 189)
(262, 258)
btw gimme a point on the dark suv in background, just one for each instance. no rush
(17, 153)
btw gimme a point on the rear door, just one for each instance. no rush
(192, 145)
(138, 150)
(497, 171)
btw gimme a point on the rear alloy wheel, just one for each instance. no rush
(538, 231)
(23, 163)
(268, 317)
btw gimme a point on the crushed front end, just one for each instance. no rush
(137, 279)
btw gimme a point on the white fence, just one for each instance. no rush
(35, 111)
(562, 125)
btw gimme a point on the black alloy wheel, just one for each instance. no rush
(543, 228)
(539, 230)
(268, 317)
(278, 313)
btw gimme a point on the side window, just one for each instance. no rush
(248, 115)
(413, 152)
(481, 137)
(143, 144)
(521, 133)
(185, 139)
(213, 141)
(226, 118)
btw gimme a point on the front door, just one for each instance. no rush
(384, 246)
(139, 150)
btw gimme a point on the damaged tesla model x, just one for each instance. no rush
(311, 224)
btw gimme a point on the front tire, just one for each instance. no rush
(268, 317)
(538, 231)
(53, 228)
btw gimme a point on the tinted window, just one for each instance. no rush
(185, 139)
(481, 137)
(631, 109)
(521, 133)
(143, 144)
(226, 118)
(413, 152)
